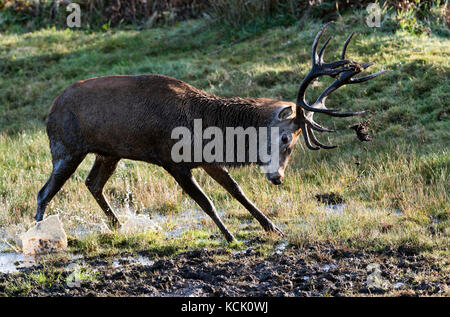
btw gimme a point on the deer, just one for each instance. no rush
(132, 116)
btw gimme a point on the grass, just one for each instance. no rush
(396, 195)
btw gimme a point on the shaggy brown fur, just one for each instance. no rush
(132, 117)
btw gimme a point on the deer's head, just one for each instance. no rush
(294, 119)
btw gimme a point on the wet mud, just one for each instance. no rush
(313, 271)
(330, 199)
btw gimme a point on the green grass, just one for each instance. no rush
(405, 167)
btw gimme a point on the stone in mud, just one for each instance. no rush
(46, 236)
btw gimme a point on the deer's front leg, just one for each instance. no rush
(221, 175)
(184, 177)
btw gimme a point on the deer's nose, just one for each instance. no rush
(277, 180)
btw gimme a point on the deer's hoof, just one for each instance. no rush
(230, 238)
(114, 224)
(272, 228)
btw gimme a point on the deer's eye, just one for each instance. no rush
(284, 139)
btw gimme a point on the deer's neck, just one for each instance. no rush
(231, 112)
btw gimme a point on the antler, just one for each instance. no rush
(343, 71)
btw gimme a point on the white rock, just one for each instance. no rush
(46, 236)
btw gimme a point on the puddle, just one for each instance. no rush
(333, 202)
(132, 223)
(339, 208)
(4, 246)
(245, 224)
(327, 267)
(11, 262)
(10, 238)
(399, 285)
(397, 212)
(84, 230)
(119, 263)
(144, 260)
(279, 249)
(138, 223)
(182, 222)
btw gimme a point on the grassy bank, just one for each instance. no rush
(395, 188)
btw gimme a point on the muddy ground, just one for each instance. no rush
(313, 271)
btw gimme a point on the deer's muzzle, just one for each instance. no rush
(275, 178)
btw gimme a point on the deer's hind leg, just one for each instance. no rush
(64, 164)
(101, 171)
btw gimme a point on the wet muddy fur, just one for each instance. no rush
(85, 118)
(132, 117)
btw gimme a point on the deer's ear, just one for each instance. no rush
(285, 113)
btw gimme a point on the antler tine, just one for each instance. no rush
(344, 78)
(314, 125)
(317, 142)
(347, 114)
(347, 41)
(319, 68)
(322, 50)
(315, 57)
(365, 66)
(343, 70)
(319, 104)
(366, 78)
(306, 137)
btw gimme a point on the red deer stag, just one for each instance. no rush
(132, 117)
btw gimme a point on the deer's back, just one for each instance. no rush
(125, 116)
